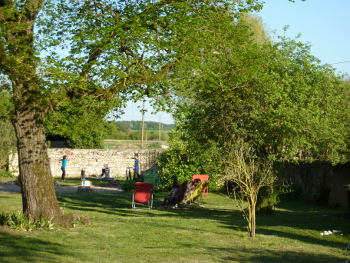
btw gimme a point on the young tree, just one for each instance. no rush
(248, 174)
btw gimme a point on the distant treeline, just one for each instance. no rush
(131, 130)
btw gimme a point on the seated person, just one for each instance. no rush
(172, 199)
(190, 187)
(195, 183)
(105, 172)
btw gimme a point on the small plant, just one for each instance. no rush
(16, 220)
(4, 173)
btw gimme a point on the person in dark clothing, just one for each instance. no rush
(173, 198)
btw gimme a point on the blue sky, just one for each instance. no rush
(324, 24)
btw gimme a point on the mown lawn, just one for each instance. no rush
(214, 233)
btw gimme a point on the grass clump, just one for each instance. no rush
(16, 220)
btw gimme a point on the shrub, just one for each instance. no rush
(269, 197)
(267, 200)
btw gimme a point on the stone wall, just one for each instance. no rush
(93, 160)
(321, 180)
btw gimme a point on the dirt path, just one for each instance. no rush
(10, 188)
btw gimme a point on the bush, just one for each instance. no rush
(269, 198)
(174, 166)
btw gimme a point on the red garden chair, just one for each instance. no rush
(143, 194)
(203, 178)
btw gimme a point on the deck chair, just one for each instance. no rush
(203, 178)
(192, 194)
(143, 193)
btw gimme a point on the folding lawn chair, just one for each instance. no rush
(203, 178)
(143, 193)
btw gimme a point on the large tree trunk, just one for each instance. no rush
(38, 193)
(19, 63)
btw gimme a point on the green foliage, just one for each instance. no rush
(276, 97)
(16, 220)
(7, 133)
(176, 164)
(80, 121)
(5, 173)
(269, 198)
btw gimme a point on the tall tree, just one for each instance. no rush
(18, 61)
(275, 96)
(108, 49)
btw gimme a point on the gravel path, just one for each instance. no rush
(10, 188)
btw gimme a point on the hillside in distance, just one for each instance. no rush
(137, 125)
(131, 130)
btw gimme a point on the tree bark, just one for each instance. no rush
(38, 193)
(18, 61)
(252, 216)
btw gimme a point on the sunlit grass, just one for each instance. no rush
(214, 233)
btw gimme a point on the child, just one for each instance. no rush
(64, 166)
(172, 199)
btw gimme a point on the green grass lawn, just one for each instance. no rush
(215, 233)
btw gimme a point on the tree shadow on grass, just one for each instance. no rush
(20, 248)
(272, 256)
(114, 204)
(120, 205)
(292, 220)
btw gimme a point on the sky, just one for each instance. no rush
(324, 24)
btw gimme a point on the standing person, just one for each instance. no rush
(136, 166)
(64, 166)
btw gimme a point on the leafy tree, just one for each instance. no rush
(80, 121)
(111, 50)
(274, 96)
